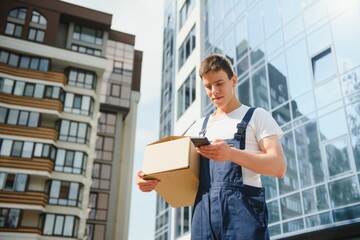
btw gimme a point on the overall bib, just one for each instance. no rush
(225, 208)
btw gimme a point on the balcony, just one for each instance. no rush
(26, 198)
(22, 230)
(39, 75)
(39, 132)
(46, 103)
(38, 164)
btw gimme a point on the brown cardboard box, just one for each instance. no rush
(174, 161)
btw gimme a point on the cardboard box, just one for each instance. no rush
(174, 161)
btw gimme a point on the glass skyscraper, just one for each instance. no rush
(299, 60)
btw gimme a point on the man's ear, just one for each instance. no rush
(234, 80)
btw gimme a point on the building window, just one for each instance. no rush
(9, 217)
(13, 182)
(104, 148)
(187, 47)
(43, 150)
(118, 67)
(23, 61)
(72, 131)
(21, 88)
(98, 205)
(26, 149)
(78, 104)
(18, 117)
(38, 27)
(95, 231)
(87, 50)
(323, 66)
(15, 22)
(185, 11)
(182, 221)
(186, 94)
(81, 78)
(38, 18)
(13, 29)
(61, 225)
(70, 161)
(115, 90)
(65, 193)
(36, 35)
(19, 13)
(338, 157)
(101, 176)
(107, 123)
(88, 35)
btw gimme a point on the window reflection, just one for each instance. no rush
(273, 208)
(278, 81)
(319, 219)
(260, 89)
(337, 157)
(270, 184)
(347, 54)
(293, 28)
(272, 20)
(241, 38)
(291, 206)
(348, 213)
(309, 155)
(326, 123)
(290, 182)
(289, 9)
(315, 199)
(299, 75)
(244, 92)
(344, 191)
(303, 105)
(319, 40)
(350, 84)
(327, 93)
(293, 226)
(256, 27)
(314, 13)
(353, 117)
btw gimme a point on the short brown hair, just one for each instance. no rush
(216, 62)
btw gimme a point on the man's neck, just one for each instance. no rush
(234, 104)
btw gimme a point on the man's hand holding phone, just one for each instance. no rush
(200, 141)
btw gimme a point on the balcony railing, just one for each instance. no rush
(39, 132)
(46, 103)
(39, 164)
(27, 198)
(39, 75)
(22, 230)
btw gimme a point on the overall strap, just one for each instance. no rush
(241, 132)
(203, 129)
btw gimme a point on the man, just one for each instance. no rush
(230, 203)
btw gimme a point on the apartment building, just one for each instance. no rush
(69, 90)
(299, 60)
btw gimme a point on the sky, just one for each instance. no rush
(144, 19)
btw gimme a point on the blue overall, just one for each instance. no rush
(224, 207)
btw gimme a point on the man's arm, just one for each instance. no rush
(271, 162)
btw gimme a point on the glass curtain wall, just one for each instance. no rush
(300, 60)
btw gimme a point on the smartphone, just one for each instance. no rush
(200, 141)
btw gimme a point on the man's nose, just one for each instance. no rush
(215, 90)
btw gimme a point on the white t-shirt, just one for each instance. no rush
(261, 125)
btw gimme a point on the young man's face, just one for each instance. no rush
(219, 88)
